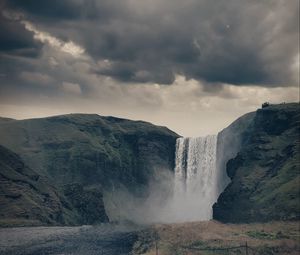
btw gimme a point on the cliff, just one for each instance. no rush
(265, 174)
(101, 154)
(85, 169)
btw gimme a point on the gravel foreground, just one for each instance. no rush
(104, 239)
(210, 237)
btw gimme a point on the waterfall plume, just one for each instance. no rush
(189, 193)
(196, 177)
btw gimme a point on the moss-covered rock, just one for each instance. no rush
(87, 202)
(265, 175)
(27, 198)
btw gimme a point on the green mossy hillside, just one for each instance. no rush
(98, 153)
(27, 199)
(90, 149)
(265, 175)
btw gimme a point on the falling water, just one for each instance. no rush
(200, 177)
(196, 177)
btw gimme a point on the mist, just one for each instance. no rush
(186, 193)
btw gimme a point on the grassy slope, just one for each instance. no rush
(90, 149)
(26, 199)
(267, 239)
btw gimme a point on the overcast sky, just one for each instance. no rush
(192, 65)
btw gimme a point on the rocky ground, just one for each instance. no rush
(106, 239)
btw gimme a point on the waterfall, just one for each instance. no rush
(196, 177)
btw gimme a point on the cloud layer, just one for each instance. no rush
(154, 60)
(228, 41)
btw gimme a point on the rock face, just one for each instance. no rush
(87, 202)
(91, 154)
(26, 198)
(265, 174)
(229, 143)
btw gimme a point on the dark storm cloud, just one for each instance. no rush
(53, 9)
(224, 41)
(68, 9)
(15, 39)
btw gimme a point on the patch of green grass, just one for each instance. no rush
(7, 222)
(198, 243)
(261, 235)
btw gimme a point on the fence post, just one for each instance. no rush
(246, 248)
(155, 240)
(156, 246)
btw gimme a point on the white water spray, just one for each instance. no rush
(196, 177)
(200, 177)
